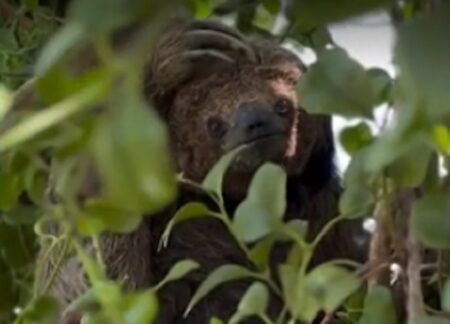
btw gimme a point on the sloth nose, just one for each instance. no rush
(254, 121)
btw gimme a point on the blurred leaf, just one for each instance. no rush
(445, 297)
(409, 169)
(100, 215)
(178, 271)
(272, 6)
(432, 320)
(353, 138)
(191, 210)
(58, 82)
(30, 4)
(7, 293)
(6, 99)
(378, 307)
(253, 302)
(356, 201)
(264, 206)
(59, 46)
(125, 146)
(220, 275)
(320, 12)
(441, 138)
(13, 247)
(337, 84)
(139, 307)
(87, 302)
(10, 188)
(431, 220)
(8, 42)
(22, 214)
(329, 285)
(215, 320)
(42, 120)
(423, 57)
(42, 310)
(264, 19)
(354, 304)
(381, 84)
(201, 8)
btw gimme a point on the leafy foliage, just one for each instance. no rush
(94, 119)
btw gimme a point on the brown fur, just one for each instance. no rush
(186, 94)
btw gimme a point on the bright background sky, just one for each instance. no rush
(368, 39)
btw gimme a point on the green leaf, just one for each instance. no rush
(441, 137)
(8, 42)
(22, 214)
(253, 302)
(272, 6)
(87, 302)
(265, 205)
(381, 84)
(30, 5)
(263, 19)
(220, 275)
(431, 220)
(43, 309)
(139, 308)
(10, 188)
(14, 249)
(378, 307)
(178, 271)
(423, 57)
(410, 168)
(330, 285)
(215, 320)
(191, 210)
(445, 297)
(354, 138)
(356, 201)
(337, 84)
(6, 100)
(200, 8)
(131, 151)
(294, 230)
(44, 119)
(260, 252)
(62, 42)
(214, 179)
(319, 12)
(432, 320)
(101, 215)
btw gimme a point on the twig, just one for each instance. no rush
(414, 304)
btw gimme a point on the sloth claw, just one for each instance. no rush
(211, 39)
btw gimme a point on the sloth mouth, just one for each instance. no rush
(261, 140)
(256, 151)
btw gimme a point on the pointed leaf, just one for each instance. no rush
(261, 212)
(178, 271)
(378, 307)
(431, 220)
(219, 276)
(191, 210)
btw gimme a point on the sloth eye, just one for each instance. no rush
(283, 107)
(216, 127)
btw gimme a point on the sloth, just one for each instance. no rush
(217, 90)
